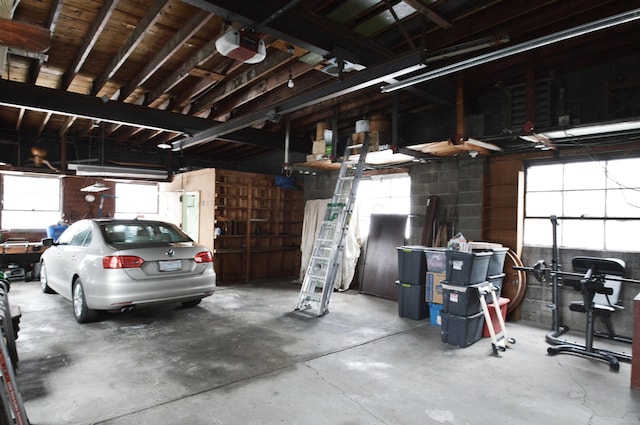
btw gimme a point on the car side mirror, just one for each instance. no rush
(47, 241)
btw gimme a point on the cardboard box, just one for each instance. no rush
(433, 292)
(319, 147)
(358, 139)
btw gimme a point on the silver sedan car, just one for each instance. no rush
(117, 265)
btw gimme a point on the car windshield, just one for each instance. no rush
(141, 233)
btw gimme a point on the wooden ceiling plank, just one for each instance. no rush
(89, 41)
(186, 95)
(134, 39)
(205, 53)
(206, 74)
(125, 133)
(272, 62)
(24, 36)
(309, 81)
(273, 81)
(170, 48)
(354, 83)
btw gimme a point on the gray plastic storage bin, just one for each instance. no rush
(496, 263)
(411, 303)
(496, 281)
(412, 264)
(461, 331)
(436, 259)
(467, 268)
(461, 300)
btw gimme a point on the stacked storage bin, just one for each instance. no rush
(411, 282)
(495, 275)
(462, 316)
(495, 272)
(436, 273)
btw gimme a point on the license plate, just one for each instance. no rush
(170, 266)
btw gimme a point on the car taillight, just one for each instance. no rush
(204, 257)
(122, 262)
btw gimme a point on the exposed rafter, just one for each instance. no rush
(152, 15)
(158, 57)
(175, 43)
(89, 40)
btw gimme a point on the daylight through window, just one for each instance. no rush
(597, 204)
(30, 202)
(136, 200)
(386, 194)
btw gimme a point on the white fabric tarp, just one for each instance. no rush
(314, 211)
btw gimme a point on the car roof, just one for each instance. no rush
(126, 221)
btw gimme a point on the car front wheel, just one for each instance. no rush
(44, 285)
(82, 313)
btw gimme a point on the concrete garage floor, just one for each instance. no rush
(243, 357)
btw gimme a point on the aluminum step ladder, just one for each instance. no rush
(499, 339)
(328, 248)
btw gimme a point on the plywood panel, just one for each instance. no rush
(386, 232)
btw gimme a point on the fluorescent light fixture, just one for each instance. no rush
(122, 172)
(601, 24)
(164, 146)
(96, 187)
(593, 129)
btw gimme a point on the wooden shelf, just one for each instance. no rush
(260, 223)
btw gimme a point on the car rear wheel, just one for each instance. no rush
(82, 313)
(43, 281)
(192, 303)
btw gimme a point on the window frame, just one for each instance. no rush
(590, 229)
(39, 214)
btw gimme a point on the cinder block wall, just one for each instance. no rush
(457, 182)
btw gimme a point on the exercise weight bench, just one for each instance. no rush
(597, 273)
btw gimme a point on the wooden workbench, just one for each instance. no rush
(18, 247)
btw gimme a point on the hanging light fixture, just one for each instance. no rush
(290, 83)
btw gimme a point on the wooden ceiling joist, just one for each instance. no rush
(89, 41)
(175, 43)
(135, 38)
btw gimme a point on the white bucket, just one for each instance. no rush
(362, 126)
